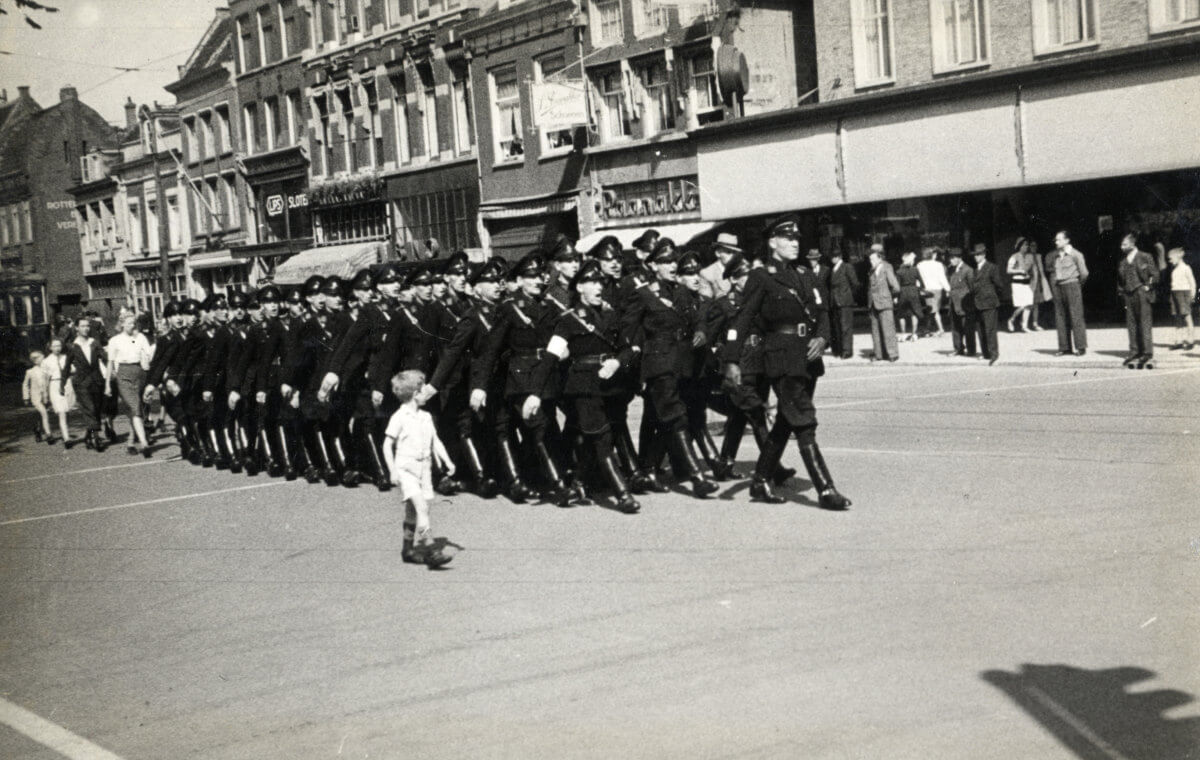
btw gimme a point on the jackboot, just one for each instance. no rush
(708, 451)
(515, 489)
(379, 473)
(818, 473)
(701, 486)
(758, 427)
(612, 472)
(645, 480)
(285, 454)
(556, 492)
(771, 449)
(484, 486)
(233, 446)
(350, 476)
(623, 446)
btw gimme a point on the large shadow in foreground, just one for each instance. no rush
(1096, 716)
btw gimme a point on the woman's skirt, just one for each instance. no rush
(131, 379)
(1022, 295)
(61, 401)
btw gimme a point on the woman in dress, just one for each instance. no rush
(61, 396)
(128, 361)
(937, 287)
(1021, 265)
(911, 285)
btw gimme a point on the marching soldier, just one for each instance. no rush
(783, 301)
(166, 352)
(696, 388)
(213, 373)
(179, 379)
(608, 253)
(236, 418)
(588, 339)
(663, 323)
(330, 414)
(268, 338)
(288, 352)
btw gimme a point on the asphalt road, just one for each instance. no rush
(1018, 578)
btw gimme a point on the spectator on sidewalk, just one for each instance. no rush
(1137, 277)
(911, 306)
(712, 277)
(962, 304)
(985, 291)
(843, 284)
(937, 287)
(821, 283)
(882, 291)
(1067, 272)
(35, 391)
(1183, 291)
(1021, 273)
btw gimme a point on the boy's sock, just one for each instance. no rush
(407, 553)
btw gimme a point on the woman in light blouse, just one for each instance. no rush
(128, 360)
(62, 396)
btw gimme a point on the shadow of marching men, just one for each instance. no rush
(1095, 714)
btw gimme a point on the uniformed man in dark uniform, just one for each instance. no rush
(451, 382)
(166, 352)
(306, 346)
(643, 246)
(236, 418)
(268, 362)
(662, 321)
(523, 327)
(444, 314)
(213, 373)
(588, 339)
(189, 370)
(331, 413)
(698, 386)
(608, 253)
(782, 300)
(288, 349)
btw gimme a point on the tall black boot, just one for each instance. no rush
(771, 449)
(273, 467)
(821, 479)
(623, 445)
(612, 472)
(486, 487)
(645, 480)
(556, 492)
(233, 444)
(515, 488)
(379, 473)
(680, 446)
(313, 453)
(735, 430)
(708, 450)
(333, 444)
(220, 458)
(758, 427)
(208, 457)
(285, 452)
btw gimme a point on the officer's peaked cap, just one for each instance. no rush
(387, 274)
(737, 267)
(530, 265)
(294, 295)
(493, 270)
(787, 225)
(313, 285)
(589, 272)
(664, 251)
(215, 301)
(268, 294)
(607, 249)
(334, 286)
(190, 306)
(458, 263)
(237, 299)
(646, 240)
(171, 309)
(362, 280)
(418, 276)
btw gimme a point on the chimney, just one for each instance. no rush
(67, 93)
(131, 119)
(23, 91)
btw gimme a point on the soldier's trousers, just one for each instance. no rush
(795, 415)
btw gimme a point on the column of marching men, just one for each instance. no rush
(530, 369)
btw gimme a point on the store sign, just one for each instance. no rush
(278, 203)
(645, 200)
(559, 105)
(286, 207)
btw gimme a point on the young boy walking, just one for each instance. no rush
(409, 446)
(35, 390)
(1183, 290)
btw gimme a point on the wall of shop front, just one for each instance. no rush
(439, 203)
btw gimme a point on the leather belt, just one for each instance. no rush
(800, 329)
(592, 359)
(535, 353)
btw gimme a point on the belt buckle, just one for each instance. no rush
(802, 329)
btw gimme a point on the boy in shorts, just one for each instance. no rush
(1183, 290)
(409, 446)
(35, 390)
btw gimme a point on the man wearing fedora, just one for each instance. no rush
(712, 277)
(986, 288)
(821, 278)
(882, 291)
(843, 284)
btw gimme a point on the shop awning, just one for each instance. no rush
(682, 233)
(213, 260)
(519, 209)
(340, 260)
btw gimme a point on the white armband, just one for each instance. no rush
(731, 335)
(558, 347)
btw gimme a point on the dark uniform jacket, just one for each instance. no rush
(84, 373)
(165, 350)
(188, 365)
(444, 319)
(297, 353)
(986, 286)
(244, 369)
(216, 360)
(843, 284)
(590, 336)
(720, 318)
(522, 331)
(783, 300)
(660, 319)
(239, 355)
(466, 349)
(407, 343)
(270, 355)
(351, 357)
(1132, 277)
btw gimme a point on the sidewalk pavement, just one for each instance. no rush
(1107, 348)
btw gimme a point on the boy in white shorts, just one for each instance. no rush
(409, 445)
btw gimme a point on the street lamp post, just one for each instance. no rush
(164, 230)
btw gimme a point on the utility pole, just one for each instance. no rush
(164, 229)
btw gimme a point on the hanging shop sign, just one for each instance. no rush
(674, 198)
(559, 105)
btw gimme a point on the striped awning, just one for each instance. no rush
(519, 209)
(340, 260)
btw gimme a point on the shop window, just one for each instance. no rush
(20, 311)
(1063, 24)
(549, 68)
(400, 120)
(464, 126)
(506, 114)
(960, 33)
(351, 224)
(614, 111)
(438, 221)
(1167, 15)
(658, 107)
(606, 22)
(705, 97)
(873, 54)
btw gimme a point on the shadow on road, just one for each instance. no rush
(1096, 715)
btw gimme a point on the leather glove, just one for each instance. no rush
(609, 368)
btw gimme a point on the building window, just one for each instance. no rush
(703, 88)
(26, 222)
(549, 68)
(1166, 15)
(443, 220)
(649, 17)
(427, 107)
(191, 146)
(351, 18)
(225, 141)
(174, 226)
(373, 125)
(464, 127)
(249, 117)
(251, 55)
(350, 224)
(399, 120)
(293, 117)
(324, 138)
(135, 227)
(206, 135)
(152, 235)
(873, 41)
(1062, 24)
(960, 33)
(612, 106)
(349, 138)
(269, 47)
(398, 12)
(506, 114)
(277, 128)
(658, 108)
(233, 216)
(606, 22)
(288, 28)
(81, 223)
(147, 287)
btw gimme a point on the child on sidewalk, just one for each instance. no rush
(1183, 290)
(408, 447)
(35, 391)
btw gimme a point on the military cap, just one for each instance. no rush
(531, 265)
(418, 276)
(646, 240)
(362, 280)
(269, 294)
(689, 263)
(387, 274)
(607, 249)
(215, 301)
(171, 309)
(190, 306)
(458, 263)
(334, 286)
(294, 295)
(787, 226)
(590, 271)
(312, 286)
(493, 270)
(562, 249)
(664, 252)
(237, 299)
(252, 301)
(738, 266)
(437, 276)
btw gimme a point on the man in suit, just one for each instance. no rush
(85, 367)
(985, 289)
(962, 304)
(1137, 276)
(712, 277)
(882, 290)
(843, 284)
